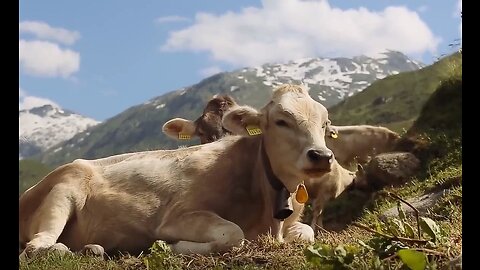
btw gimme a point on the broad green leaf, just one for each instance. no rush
(312, 255)
(415, 260)
(430, 227)
(311, 251)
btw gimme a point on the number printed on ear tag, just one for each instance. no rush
(253, 130)
(184, 136)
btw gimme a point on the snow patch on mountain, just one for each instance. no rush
(43, 127)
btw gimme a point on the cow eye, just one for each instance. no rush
(281, 123)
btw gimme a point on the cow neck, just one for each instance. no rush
(281, 208)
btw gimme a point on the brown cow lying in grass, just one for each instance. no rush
(200, 199)
(357, 144)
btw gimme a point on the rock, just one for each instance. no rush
(392, 169)
(421, 203)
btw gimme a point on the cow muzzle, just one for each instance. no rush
(320, 162)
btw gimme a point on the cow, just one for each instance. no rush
(208, 127)
(326, 188)
(330, 186)
(334, 183)
(200, 199)
(358, 143)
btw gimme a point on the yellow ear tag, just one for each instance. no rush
(334, 135)
(182, 136)
(302, 194)
(253, 130)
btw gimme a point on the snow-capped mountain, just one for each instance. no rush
(332, 79)
(42, 127)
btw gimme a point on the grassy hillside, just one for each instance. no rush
(395, 101)
(368, 240)
(30, 172)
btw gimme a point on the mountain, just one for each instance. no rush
(44, 126)
(397, 100)
(330, 80)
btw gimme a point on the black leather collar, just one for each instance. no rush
(282, 208)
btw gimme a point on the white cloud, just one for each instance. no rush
(289, 29)
(169, 19)
(209, 71)
(27, 102)
(44, 31)
(46, 59)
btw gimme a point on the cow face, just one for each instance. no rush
(293, 128)
(208, 127)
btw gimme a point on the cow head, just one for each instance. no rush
(359, 181)
(293, 128)
(208, 127)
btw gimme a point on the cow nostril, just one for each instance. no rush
(315, 156)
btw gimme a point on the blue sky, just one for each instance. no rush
(98, 58)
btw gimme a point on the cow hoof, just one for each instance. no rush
(59, 249)
(299, 232)
(93, 250)
(33, 252)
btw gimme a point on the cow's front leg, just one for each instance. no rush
(293, 229)
(298, 231)
(317, 217)
(200, 232)
(49, 222)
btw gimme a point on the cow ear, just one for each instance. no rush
(179, 128)
(242, 120)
